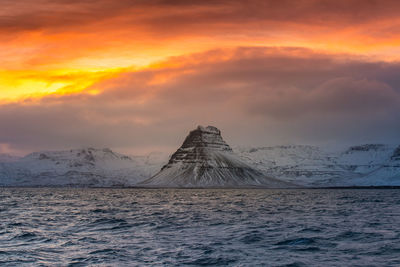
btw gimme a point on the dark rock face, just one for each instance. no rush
(366, 147)
(205, 160)
(199, 145)
(396, 154)
(43, 156)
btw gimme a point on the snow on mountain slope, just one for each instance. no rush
(78, 167)
(365, 165)
(205, 160)
(376, 165)
(8, 158)
(151, 163)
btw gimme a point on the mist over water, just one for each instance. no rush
(128, 227)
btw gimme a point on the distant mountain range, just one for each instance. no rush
(361, 165)
(88, 167)
(205, 160)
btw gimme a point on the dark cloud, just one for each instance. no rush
(159, 15)
(257, 96)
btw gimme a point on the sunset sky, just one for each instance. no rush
(136, 75)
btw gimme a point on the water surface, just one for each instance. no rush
(190, 227)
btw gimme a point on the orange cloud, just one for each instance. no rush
(24, 84)
(258, 96)
(91, 38)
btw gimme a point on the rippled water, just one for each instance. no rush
(129, 227)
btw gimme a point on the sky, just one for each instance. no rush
(138, 75)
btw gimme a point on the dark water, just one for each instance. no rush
(130, 227)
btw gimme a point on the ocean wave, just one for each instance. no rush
(138, 227)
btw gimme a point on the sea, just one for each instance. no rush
(199, 227)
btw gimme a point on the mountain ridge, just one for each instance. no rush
(359, 165)
(86, 167)
(206, 160)
(313, 166)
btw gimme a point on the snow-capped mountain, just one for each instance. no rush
(78, 167)
(205, 160)
(363, 165)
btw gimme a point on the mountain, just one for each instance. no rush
(361, 165)
(8, 158)
(78, 167)
(206, 160)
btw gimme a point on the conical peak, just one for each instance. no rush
(201, 146)
(209, 136)
(210, 129)
(205, 160)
